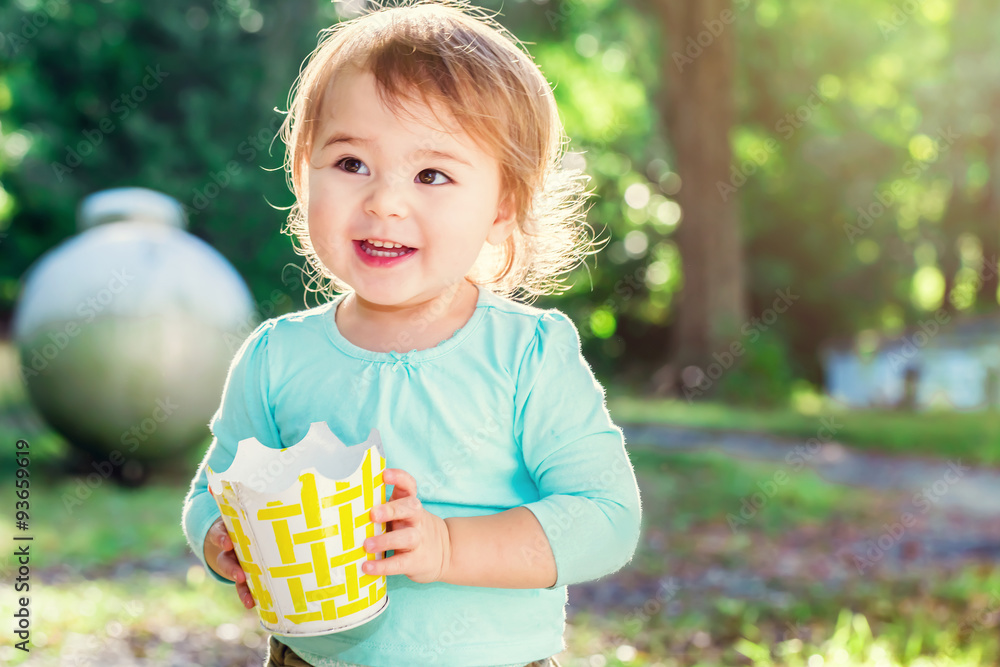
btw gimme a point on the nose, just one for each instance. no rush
(387, 196)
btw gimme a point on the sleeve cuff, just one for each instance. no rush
(199, 516)
(589, 538)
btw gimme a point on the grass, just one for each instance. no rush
(972, 436)
(929, 618)
(112, 575)
(160, 614)
(106, 525)
(802, 496)
(160, 619)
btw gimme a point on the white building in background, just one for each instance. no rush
(950, 364)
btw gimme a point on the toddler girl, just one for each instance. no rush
(424, 150)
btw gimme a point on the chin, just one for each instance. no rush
(383, 297)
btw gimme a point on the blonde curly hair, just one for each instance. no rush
(451, 54)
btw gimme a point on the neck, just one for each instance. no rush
(418, 325)
(436, 308)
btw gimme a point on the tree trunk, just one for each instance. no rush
(973, 43)
(988, 218)
(698, 64)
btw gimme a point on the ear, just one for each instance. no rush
(503, 225)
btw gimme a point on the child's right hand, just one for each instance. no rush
(220, 557)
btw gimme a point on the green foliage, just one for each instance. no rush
(69, 96)
(763, 376)
(840, 107)
(177, 98)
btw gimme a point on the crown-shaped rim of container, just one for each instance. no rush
(253, 459)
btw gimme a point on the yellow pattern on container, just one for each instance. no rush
(336, 583)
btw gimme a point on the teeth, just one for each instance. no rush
(384, 244)
(380, 253)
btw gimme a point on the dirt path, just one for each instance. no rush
(929, 517)
(956, 520)
(949, 484)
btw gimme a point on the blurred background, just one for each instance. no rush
(796, 313)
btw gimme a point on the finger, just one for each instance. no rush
(220, 537)
(402, 482)
(404, 508)
(216, 531)
(395, 564)
(245, 596)
(230, 567)
(407, 538)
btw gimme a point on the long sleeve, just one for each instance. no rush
(244, 413)
(589, 504)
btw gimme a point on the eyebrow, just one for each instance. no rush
(340, 138)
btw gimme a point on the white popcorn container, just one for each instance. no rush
(298, 519)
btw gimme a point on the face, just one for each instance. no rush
(377, 181)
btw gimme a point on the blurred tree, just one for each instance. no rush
(698, 67)
(828, 126)
(967, 97)
(178, 98)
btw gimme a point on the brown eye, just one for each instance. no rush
(428, 177)
(351, 165)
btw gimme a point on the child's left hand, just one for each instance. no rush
(419, 538)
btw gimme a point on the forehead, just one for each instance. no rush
(353, 104)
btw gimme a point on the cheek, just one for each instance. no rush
(466, 245)
(321, 213)
(313, 217)
(321, 224)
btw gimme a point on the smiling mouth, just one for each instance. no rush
(375, 251)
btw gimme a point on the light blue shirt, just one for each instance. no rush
(505, 413)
